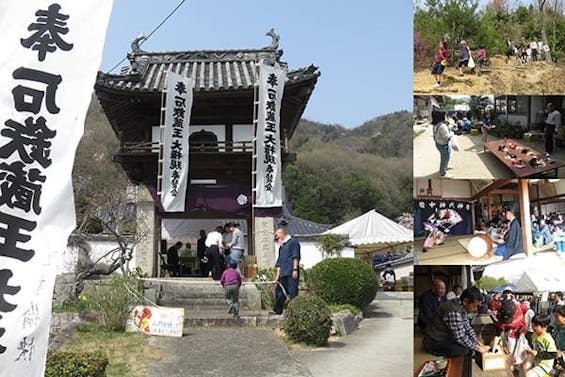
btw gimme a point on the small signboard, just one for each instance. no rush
(154, 320)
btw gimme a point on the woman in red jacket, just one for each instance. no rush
(440, 62)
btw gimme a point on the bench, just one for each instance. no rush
(559, 140)
(533, 136)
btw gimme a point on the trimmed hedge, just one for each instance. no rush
(307, 319)
(344, 281)
(71, 364)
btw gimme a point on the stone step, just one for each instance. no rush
(198, 294)
(195, 294)
(209, 318)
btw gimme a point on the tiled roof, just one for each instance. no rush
(217, 70)
(296, 226)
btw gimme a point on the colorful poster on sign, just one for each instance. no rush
(449, 216)
(268, 185)
(178, 106)
(156, 320)
(51, 51)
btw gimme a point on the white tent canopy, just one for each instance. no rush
(536, 281)
(373, 228)
(543, 271)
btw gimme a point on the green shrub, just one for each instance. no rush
(307, 319)
(343, 281)
(71, 364)
(339, 308)
(109, 302)
(267, 291)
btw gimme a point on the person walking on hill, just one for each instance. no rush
(440, 62)
(464, 57)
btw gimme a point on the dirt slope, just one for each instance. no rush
(504, 78)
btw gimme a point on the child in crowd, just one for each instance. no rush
(440, 62)
(558, 335)
(231, 281)
(544, 349)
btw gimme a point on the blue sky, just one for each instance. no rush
(363, 47)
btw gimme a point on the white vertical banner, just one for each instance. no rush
(178, 106)
(51, 51)
(268, 184)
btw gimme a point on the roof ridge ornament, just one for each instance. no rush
(136, 42)
(275, 41)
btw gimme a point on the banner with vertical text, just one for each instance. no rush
(178, 106)
(51, 51)
(268, 185)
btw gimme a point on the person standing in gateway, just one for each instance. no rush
(237, 244)
(287, 270)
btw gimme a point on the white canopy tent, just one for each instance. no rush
(537, 281)
(373, 229)
(543, 271)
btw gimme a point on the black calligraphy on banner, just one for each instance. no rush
(26, 153)
(177, 153)
(270, 141)
(20, 92)
(48, 28)
(26, 348)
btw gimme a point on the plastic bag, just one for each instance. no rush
(519, 354)
(471, 63)
(454, 143)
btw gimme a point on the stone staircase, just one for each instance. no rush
(203, 301)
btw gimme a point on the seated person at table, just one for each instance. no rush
(449, 332)
(467, 125)
(186, 250)
(543, 234)
(512, 240)
(429, 302)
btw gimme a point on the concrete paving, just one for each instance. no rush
(225, 352)
(378, 348)
(470, 162)
(381, 346)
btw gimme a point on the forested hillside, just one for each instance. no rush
(339, 173)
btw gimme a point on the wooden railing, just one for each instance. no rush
(195, 147)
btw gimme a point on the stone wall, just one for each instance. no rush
(62, 327)
(63, 286)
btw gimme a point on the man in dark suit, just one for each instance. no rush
(429, 301)
(287, 269)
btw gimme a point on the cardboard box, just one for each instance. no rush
(493, 361)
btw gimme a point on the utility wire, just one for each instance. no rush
(150, 34)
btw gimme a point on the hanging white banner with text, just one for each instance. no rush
(51, 51)
(268, 185)
(178, 106)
